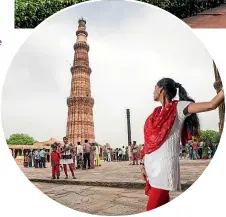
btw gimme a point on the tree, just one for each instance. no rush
(30, 13)
(20, 139)
(210, 136)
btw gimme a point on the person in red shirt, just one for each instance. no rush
(55, 161)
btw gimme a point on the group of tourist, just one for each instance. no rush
(120, 154)
(35, 159)
(195, 150)
(83, 156)
(130, 154)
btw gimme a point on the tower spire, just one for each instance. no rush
(80, 124)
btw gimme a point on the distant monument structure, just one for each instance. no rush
(80, 125)
(128, 126)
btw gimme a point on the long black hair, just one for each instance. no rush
(191, 122)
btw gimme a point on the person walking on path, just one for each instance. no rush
(172, 122)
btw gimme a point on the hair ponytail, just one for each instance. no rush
(191, 122)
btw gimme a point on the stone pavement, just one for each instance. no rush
(98, 200)
(116, 174)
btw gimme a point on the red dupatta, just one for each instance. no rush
(158, 127)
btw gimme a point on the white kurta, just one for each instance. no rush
(163, 165)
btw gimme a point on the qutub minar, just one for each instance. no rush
(80, 124)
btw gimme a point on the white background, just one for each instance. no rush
(19, 197)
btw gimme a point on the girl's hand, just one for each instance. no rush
(143, 174)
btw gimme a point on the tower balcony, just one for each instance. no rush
(82, 122)
(82, 31)
(79, 100)
(79, 68)
(79, 45)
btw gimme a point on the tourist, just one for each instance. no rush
(86, 154)
(105, 154)
(27, 160)
(205, 152)
(200, 149)
(97, 152)
(55, 161)
(191, 151)
(120, 154)
(135, 154)
(79, 155)
(74, 154)
(42, 154)
(184, 152)
(123, 153)
(59, 149)
(67, 158)
(109, 154)
(92, 156)
(39, 160)
(31, 157)
(36, 156)
(116, 154)
(195, 149)
(163, 130)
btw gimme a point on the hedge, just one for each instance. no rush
(30, 13)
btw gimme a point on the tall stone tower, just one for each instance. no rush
(217, 86)
(80, 124)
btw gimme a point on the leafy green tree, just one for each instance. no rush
(20, 139)
(210, 136)
(30, 13)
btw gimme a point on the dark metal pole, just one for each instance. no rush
(128, 126)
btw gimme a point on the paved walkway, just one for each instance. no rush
(116, 174)
(98, 200)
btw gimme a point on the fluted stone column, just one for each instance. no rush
(80, 124)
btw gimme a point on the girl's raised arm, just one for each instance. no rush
(205, 106)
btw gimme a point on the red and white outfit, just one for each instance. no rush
(163, 132)
(67, 159)
(55, 162)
